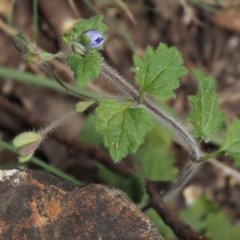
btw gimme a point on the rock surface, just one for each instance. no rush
(35, 205)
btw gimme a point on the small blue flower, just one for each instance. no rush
(96, 38)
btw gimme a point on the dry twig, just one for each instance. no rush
(181, 229)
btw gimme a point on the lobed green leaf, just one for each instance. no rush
(132, 186)
(157, 162)
(206, 216)
(123, 127)
(85, 68)
(206, 117)
(157, 72)
(231, 142)
(89, 133)
(94, 23)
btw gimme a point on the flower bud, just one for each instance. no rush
(96, 38)
(78, 48)
(67, 38)
(26, 138)
(27, 143)
(21, 44)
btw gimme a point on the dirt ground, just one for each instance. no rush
(207, 40)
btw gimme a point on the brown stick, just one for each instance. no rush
(182, 230)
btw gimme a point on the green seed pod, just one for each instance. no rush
(26, 138)
(25, 159)
(27, 143)
(21, 44)
(78, 48)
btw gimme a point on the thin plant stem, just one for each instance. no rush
(131, 91)
(161, 116)
(210, 155)
(112, 75)
(57, 123)
(55, 171)
(10, 15)
(174, 126)
(43, 165)
(81, 96)
(29, 78)
(35, 20)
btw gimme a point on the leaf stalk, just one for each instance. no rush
(127, 88)
(210, 155)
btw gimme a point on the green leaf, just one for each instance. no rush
(85, 68)
(235, 232)
(157, 162)
(218, 226)
(89, 133)
(159, 135)
(132, 186)
(163, 229)
(94, 23)
(206, 117)
(231, 142)
(123, 127)
(194, 214)
(206, 216)
(158, 71)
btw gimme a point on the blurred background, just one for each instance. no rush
(206, 32)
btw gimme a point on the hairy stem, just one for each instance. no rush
(161, 116)
(45, 166)
(112, 75)
(56, 123)
(70, 90)
(174, 126)
(184, 178)
(131, 91)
